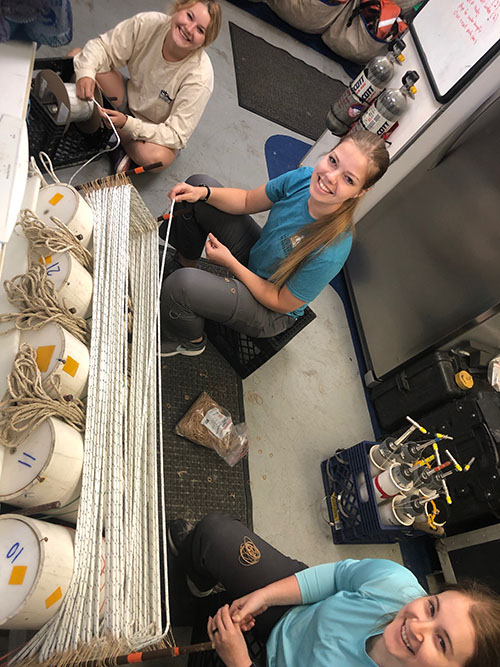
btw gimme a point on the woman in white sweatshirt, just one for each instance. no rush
(171, 78)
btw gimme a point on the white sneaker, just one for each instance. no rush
(169, 348)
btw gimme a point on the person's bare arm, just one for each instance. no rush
(230, 200)
(283, 592)
(225, 628)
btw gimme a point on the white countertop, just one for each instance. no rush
(16, 68)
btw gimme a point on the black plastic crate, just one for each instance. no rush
(355, 521)
(246, 353)
(64, 149)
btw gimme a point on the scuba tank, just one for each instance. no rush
(362, 90)
(388, 107)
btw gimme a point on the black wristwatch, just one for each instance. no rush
(209, 192)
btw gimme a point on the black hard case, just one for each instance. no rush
(416, 389)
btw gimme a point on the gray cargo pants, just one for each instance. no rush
(188, 296)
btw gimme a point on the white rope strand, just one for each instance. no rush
(105, 150)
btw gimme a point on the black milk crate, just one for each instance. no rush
(246, 353)
(353, 520)
(64, 149)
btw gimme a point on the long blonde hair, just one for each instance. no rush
(332, 227)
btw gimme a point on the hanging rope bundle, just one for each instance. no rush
(119, 495)
(143, 478)
(46, 240)
(34, 295)
(28, 404)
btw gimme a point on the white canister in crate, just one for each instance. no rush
(376, 461)
(36, 567)
(363, 489)
(67, 205)
(72, 281)
(45, 467)
(59, 353)
(391, 514)
(386, 484)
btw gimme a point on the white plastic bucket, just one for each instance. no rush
(15, 263)
(37, 565)
(72, 281)
(67, 205)
(391, 515)
(44, 468)
(385, 485)
(59, 353)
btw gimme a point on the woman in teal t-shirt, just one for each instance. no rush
(353, 613)
(277, 270)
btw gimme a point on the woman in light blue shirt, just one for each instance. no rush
(346, 614)
(277, 270)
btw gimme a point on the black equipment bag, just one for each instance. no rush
(474, 424)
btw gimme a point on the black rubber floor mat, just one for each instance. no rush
(279, 87)
(261, 11)
(197, 479)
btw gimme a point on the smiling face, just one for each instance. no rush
(188, 28)
(434, 631)
(338, 176)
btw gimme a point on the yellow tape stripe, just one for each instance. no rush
(17, 575)
(56, 199)
(43, 356)
(71, 366)
(53, 597)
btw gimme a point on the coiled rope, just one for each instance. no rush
(27, 403)
(45, 240)
(34, 295)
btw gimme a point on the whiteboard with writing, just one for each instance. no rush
(455, 39)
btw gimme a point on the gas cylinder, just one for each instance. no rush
(362, 90)
(389, 106)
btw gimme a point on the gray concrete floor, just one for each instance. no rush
(308, 400)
